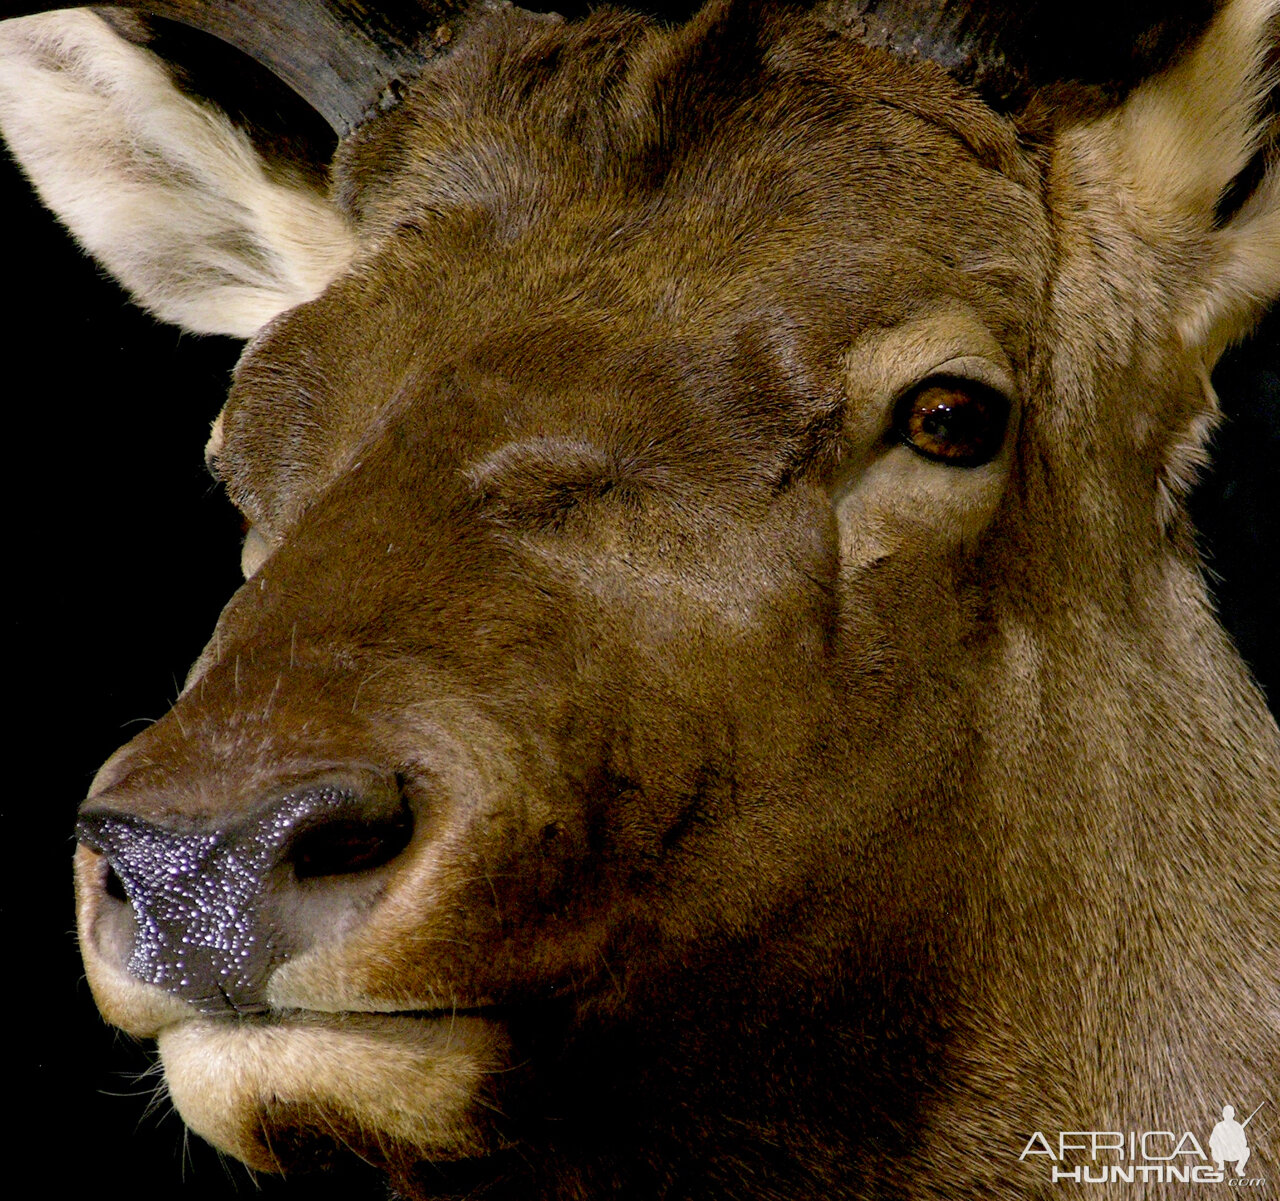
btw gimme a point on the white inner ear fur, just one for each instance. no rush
(887, 493)
(1181, 139)
(162, 190)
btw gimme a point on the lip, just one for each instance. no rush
(283, 1018)
(412, 1079)
(268, 1016)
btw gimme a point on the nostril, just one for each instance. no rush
(114, 886)
(343, 845)
(107, 836)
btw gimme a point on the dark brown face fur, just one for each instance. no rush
(575, 493)
(569, 470)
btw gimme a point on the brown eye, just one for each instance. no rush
(951, 420)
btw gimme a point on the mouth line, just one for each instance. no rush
(267, 1016)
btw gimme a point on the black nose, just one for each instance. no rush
(215, 909)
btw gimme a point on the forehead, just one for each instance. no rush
(560, 213)
(700, 161)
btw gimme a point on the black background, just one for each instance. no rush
(122, 551)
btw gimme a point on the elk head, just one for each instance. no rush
(719, 632)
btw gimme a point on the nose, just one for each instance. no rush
(206, 910)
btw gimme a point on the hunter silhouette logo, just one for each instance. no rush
(1149, 1156)
(1228, 1140)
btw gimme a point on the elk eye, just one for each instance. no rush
(952, 420)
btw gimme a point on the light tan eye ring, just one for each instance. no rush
(254, 552)
(952, 420)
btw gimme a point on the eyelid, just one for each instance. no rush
(882, 365)
(213, 449)
(976, 368)
(537, 481)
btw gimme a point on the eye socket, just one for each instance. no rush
(952, 420)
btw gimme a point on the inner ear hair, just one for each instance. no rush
(287, 133)
(162, 189)
(1196, 148)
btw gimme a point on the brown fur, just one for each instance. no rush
(793, 817)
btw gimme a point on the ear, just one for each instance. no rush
(1197, 148)
(161, 189)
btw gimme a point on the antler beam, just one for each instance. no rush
(344, 57)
